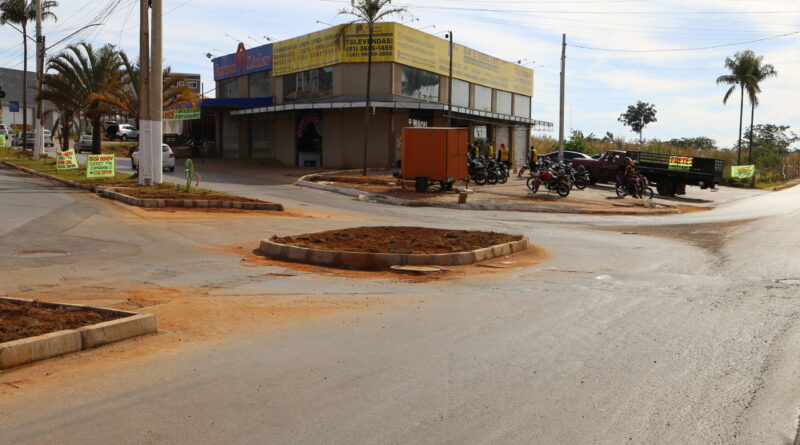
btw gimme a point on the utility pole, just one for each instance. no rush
(38, 142)
(450, 86)
(157, 92)
(561, 103)
(145, 163)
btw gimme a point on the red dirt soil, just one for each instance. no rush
(18, 321)
(406, 240)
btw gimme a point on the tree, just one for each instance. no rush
(741, 75)
(369, 12)
(699, 143)
(126, 98)
(59, 90)
(758, 73)
(19, 13)
(638, 116)
(83, 74)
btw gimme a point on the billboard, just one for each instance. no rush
(400, 44)
(243, 61)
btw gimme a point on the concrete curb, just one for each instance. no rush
(378, 261)
(390, 200)
(27, 350)
(111, 193)
(108, 192)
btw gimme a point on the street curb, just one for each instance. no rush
(379, 261)
(27, 350)
(383, 199)
(108, 192)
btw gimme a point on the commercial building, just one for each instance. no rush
(302, 101)
(11, 106)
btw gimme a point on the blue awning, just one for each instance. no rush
(238, 102)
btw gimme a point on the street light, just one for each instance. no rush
(233, 38)
(324, 23)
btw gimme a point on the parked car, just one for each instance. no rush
(4, 130)
(84, 143)
(48, 138)
(123, 132)
(167, 158)
(568, 155)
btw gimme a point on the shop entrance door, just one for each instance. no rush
(309, 140)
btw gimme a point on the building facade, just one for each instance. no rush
(11, 110)
(302, 101)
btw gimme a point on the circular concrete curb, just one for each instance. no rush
(378, 261)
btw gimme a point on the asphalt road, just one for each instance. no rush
(677, 329)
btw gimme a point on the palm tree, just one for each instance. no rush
(59, 90)
(758, 73)
(741, 68)
(126, 99)
(85, 73)
(369, 12)
(19, 13)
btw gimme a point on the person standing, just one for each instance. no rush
(491, 150)
(502, 155)
(534, 155)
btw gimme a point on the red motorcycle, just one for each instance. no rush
(558, 183)
(641, 188)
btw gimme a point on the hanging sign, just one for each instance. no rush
(680, 163)
(100, 166)
(743, 171)
(182, 114)
(66, 160)
(2, 141)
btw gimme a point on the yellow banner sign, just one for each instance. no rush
(398, 43)
(66, 160)
(680, 163)
(743, 171)
(100, 166)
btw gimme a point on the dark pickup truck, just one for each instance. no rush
(670, 173)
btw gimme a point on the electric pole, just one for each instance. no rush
(145, 162)
(156, 92)
(450, 86)
(38, 142)
(561, 106)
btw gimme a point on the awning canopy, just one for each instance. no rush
(237, 102)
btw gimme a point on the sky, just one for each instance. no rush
(668, 53)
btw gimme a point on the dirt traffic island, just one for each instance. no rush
(20, 320)
(379, 248)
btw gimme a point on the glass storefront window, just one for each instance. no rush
(420, 83)
(228, 88)
(311, 84)
(483, 98)
(260, 84)
(522, 105)
(503, 102)
(460, 93)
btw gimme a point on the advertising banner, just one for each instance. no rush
(2, 141)
(243, 61)
(66, 160)
(100, 166)
(680, 163)
(743, 171)
(182, 114)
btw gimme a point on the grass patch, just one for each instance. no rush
(48, 165)
(120, 149)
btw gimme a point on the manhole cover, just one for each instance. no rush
(39, 253)
(792, 281)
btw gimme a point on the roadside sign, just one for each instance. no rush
(182, 114)
(680, 163)
(66, 160)
(13, 106)
(100, 166)
(743, 171)
(2, 141)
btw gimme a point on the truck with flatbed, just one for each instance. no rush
(670, 173)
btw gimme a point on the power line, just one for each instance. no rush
(777, 36)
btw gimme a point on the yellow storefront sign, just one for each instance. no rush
(743, 171)
(66, 160)
(400, 44)
(100, 166)
(680, 163)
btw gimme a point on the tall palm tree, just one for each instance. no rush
(741, 68)
(126, 99)
(758, 73)
(369, 12)
(87, 72)
(20, 13)
(59, 90)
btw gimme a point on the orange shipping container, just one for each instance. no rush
(435, 153)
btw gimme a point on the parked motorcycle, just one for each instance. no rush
(552, 180)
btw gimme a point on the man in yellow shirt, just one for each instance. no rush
(491, 150)
(503, 155)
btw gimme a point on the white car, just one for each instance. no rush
(84, 143)
(167, 158)
(31, 138)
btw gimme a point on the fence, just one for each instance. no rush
(782, 172)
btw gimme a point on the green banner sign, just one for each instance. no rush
(743, 171)
(100, 166)
(680, 163)
(183, 114)
(66, 160)
(2, 141)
